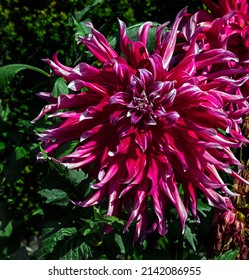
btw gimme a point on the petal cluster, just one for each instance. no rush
(155, 125)
(226, 26)
(230, 230)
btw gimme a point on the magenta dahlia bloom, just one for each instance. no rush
(229, 22)
(229, 230)
(149, 125)
(226, 26)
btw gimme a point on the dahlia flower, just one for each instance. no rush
(230, 230)
(227, 26)
(149, 125)
(229, 22)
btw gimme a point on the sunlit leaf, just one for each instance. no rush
(8, 72)
(229, 255)
(80, 28)
(60, 87)
(190, 237)
(7, 231)
(4, 111)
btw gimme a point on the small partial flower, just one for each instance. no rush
(230, 231)
(149, 123)
(228, 22)
(226, 25)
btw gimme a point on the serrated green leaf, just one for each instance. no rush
(75, 177)
(229, 255)
(51, 237)
(190, 237)
(60, 87)
(75, 249)
(55, 196)
(57, 167)
(8, 72)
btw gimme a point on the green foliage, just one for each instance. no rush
(55, 196)
(60, 87)
(229, 255)
(45, 21)
(8, 72)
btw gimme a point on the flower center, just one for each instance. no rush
(142, 103)
(145, 100)
(141, 107)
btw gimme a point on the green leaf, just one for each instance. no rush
(79, 15)
(75, 177)
(110, 220)
(7, 231)
(38, 212)
(60, 87)
(20, 153)
(50, 239)
(75, 249)
(132, 33)
(66, 149)
(44, 154)
(2, 146)
(4, 112)
(8, 72)
(190, 237)
(120, 243)
(64, 243)
(55, 196)
(163, 242)
(203, 207)
(80, 28)
(86, 231)
(229, 255)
